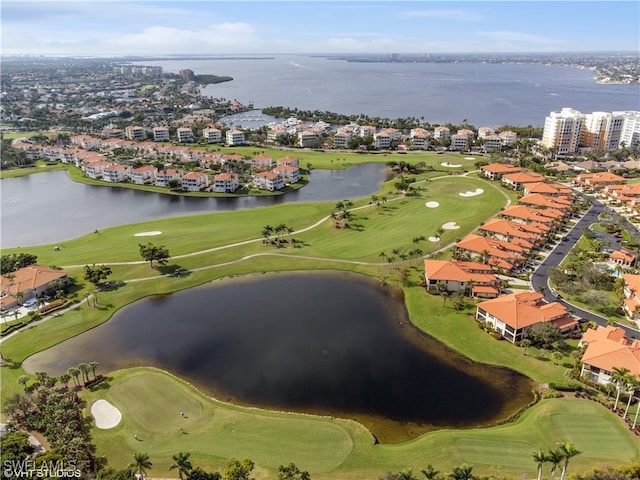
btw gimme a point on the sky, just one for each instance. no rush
(209, 27)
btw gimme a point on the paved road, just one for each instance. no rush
(539, 278)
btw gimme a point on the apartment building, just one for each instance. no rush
(160, 134)
(195, 181)
(563, 131)
(185, 135)
(212, 135)
(225, 183)
(134, 133)
(235, 137)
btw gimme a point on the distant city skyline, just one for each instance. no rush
(105, 28)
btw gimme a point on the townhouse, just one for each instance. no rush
(517, 181)
(441, 133)
(548, 189)
(561, 204)
(185, 135)
(95, 169)
(163, 177)
(491, 143)
(548, 217)
(512, 315)
(597, 180)
(497, 253)
(161, 134)
(342, 137)
(472, 278)
(235, 137)
(262, 162)
(608, 349)
(289, 173)
(523, 235)
(419, 138)
(495, 171)
(116, 173)
(288, 161)
(143, 175)
(225, 183)
(268, 181)
(195, 181)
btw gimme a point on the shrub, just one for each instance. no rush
(497, 335)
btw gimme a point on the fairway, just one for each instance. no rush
(151, 402)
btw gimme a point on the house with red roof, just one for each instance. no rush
(598, 180)
(624, 258)
(548, 217)
(116, 173)
(195, 181)
(268, 181)
(631, 303)
(225, 182)
(144, 174)
(517, 181)
(543, 201)
(163, 177)
(521, 234)
(262, 162)
(457, 276)
(514, 314)
(28, 282)
(290, 173)
(495, 171)
(607, 349)
(497, 253)
(548, 189)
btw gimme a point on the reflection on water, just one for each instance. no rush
(327, 343)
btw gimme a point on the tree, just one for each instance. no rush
(141, 463)
(84, 369)
(430, 473)
(150, 252)
(291, 472)
(93, 366)
(182, 463)
(15, 447)
(75, 373)
(632, 386)
(544, 333)
(96, 274)
(199, 474)
(619, 377)
(16, 261)
(525, 343)
(556, 356)
(568, 451)
(540, 457)
(462, 472)
(554, 457)
(236, 470)
(267, 230)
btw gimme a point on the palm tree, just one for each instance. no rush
(540, 457)
(75, 373)
(267, 230)
(619, 377)
(635, 419)
(64, 378)
(93, 366)
(554, 457)
(525, 343)
(182, 463)
(632, 386)
(568, 451)
(462, 472)
(430, 473)
(84, 369)
(141, 463)
(556, 356)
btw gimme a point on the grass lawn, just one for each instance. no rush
(39, 167)
(151, 401)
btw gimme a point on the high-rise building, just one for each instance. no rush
(630, 136)
(562, 131)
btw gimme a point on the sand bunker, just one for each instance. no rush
(469, 158)
(432, 204)
(105, 414)
(478, 191)
(434, 239)
(451, 226)
(447, 164)
(147, 234)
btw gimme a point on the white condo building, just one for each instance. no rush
(562, 131)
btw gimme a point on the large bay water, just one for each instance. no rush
(485, 94)
(50, 207)
(323, 342)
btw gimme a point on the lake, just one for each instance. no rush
(50, 207)
(485, 94)
(324, 342)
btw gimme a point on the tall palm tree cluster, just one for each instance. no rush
(342, 215)
(624, 381)
(234, 469)
(279, 231)
(50, 408)
(558, 456)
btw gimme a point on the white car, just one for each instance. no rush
(30, 303)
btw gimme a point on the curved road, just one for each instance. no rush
(539, 278)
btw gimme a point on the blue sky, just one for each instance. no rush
(98, 28)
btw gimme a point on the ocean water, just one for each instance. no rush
(484, 94)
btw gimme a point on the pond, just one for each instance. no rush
(50, 207)
(323, 342)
